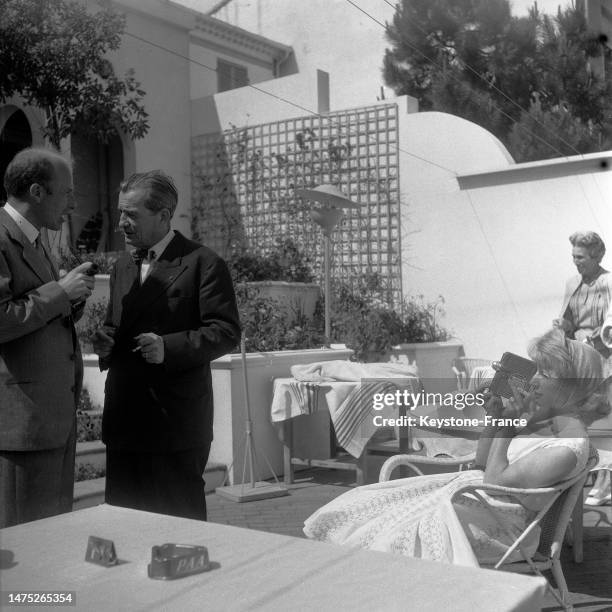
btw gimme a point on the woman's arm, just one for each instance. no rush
(541, 468)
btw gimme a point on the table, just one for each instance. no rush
(292, 398)
(350, 409)
(258, 570)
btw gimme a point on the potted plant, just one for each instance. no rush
(425, 342)
(364, 320)
(282, 275)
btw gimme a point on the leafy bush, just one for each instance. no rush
(88, 471)
(284, 263)
(421, 320)
(366, 323)
(90, 322)
(104, 261)
(85, 404)
(89, 426)
(361, 318)
(266, 327)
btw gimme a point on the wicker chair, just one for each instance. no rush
(604, 463)
(463, 367)
(553, 518)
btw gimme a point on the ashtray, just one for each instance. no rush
(170, 561)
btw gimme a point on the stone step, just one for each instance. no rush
(91, 452)
(89, 493)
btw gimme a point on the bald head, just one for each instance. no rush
(38, 183)
(31, 166)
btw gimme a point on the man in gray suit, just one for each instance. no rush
(40, 360)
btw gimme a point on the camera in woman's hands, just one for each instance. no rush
(513, 368)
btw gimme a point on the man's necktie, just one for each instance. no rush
(38, 246)
(138, 256)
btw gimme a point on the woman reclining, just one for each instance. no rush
(415, 516)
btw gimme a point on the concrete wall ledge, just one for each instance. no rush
(535, 171)
(90, 448)
(234, 360)
(427, 346)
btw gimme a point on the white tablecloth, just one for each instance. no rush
(353, 416)
(349, 405)
(258, 570)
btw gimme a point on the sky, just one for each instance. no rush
(520, 7)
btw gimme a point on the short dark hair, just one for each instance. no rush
(29, 166)
(161, 189)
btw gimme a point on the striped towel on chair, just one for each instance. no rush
(352, 415)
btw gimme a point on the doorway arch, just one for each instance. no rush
(16, 135)
(98, 171)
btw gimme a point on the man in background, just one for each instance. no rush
(40, 360)
(172, 310)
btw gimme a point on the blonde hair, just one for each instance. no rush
(551, 353)
(580, 367)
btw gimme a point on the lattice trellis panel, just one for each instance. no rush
(244, 182)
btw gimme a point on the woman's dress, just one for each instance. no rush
(585, 307)
(415, 517)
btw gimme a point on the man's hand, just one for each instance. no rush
(103, 342)
(78, 284)
(151, 347)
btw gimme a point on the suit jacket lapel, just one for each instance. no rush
(50, 260)
(162, 274)
(29, 254)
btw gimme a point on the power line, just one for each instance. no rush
(497, 89)
(507, 97)
(463, 83)
(280, 98)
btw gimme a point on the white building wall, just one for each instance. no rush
(248, 106)
(204, 80)
(330, 35)
(164, 75)
(498, 254)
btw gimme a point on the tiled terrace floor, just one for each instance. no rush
(590, 582)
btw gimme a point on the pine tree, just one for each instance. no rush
(528, 80)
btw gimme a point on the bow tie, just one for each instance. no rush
(139, 254)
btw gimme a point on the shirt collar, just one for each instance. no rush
(156, 250)
(31, 232)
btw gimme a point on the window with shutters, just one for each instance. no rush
(230, 76)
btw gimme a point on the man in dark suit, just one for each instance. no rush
(172, 310)
(40, 361)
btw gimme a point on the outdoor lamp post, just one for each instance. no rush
(328, 202)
